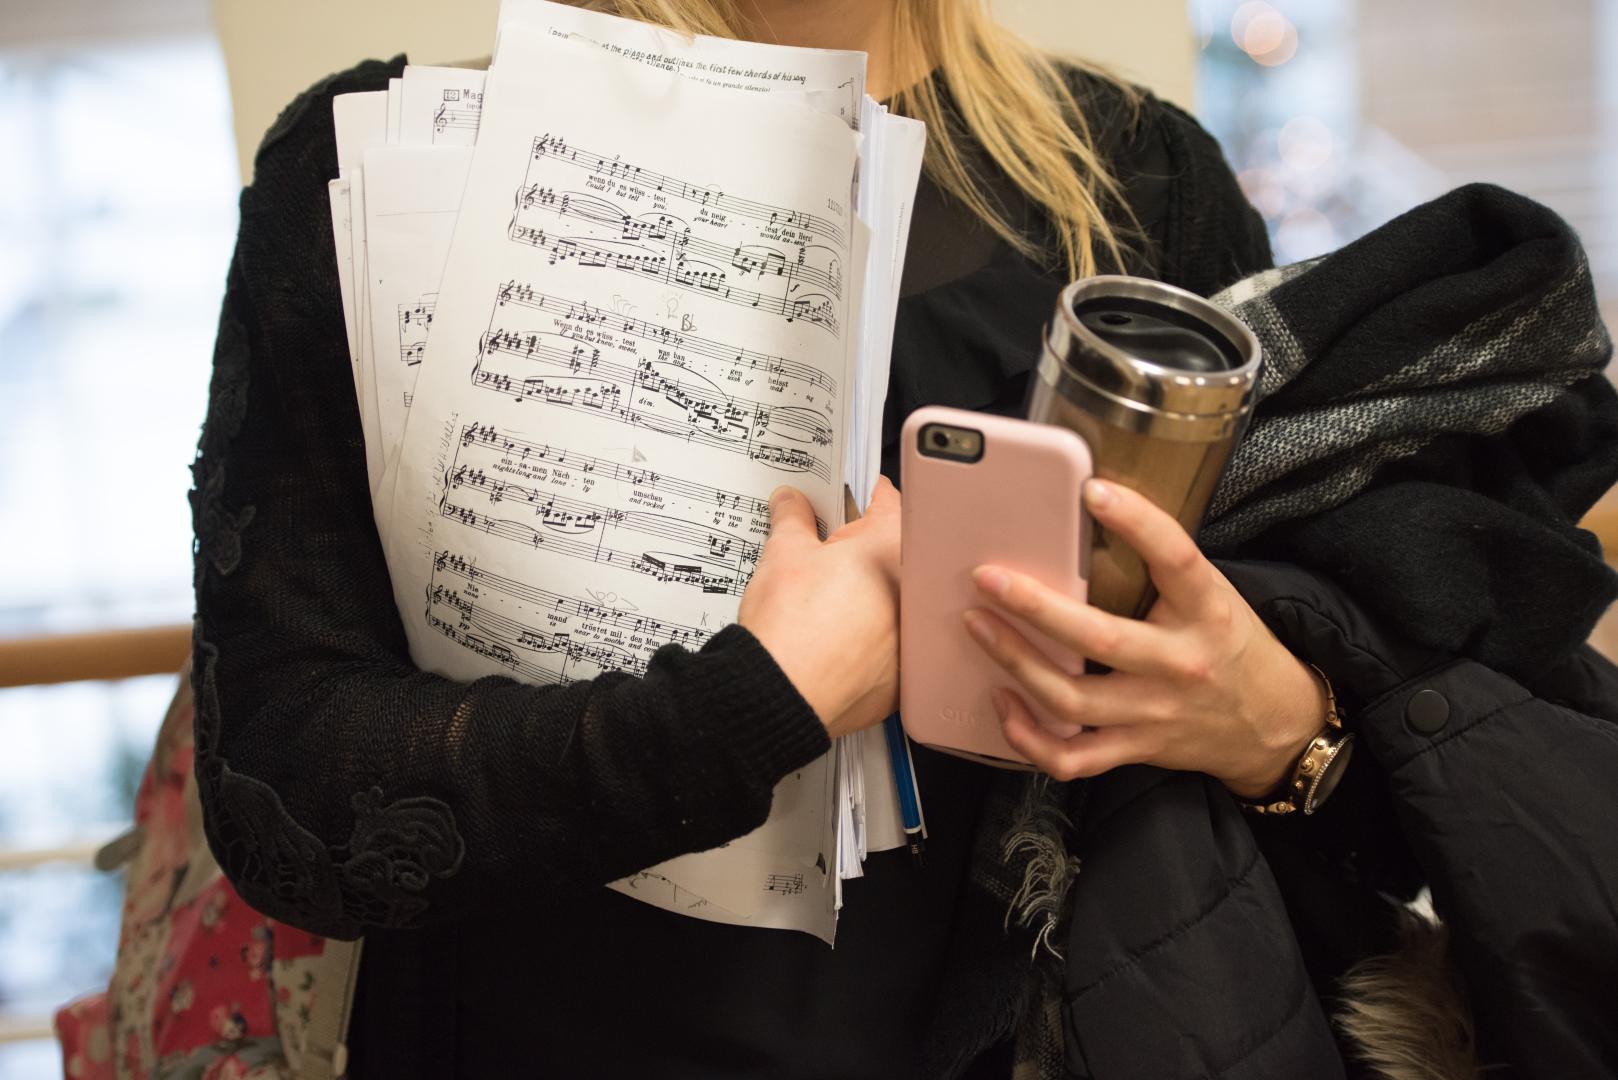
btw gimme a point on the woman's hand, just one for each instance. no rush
(829, 612)
(1200, 684)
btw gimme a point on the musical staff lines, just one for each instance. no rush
(785, 884)
(649, 537)
(679, 568)
(815, 310)
(597, 372)
(459, 118)
(557, 149)
(779, 264)
(604, 615)
(500, 651)
(541, 635)
(524, 450)
(734, 358)
(762, 260)
(699, 398)
(414, 321)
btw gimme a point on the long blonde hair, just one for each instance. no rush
(1013, 101)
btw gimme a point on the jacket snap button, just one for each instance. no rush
(1427, 711)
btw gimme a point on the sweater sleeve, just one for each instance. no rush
(342, 788)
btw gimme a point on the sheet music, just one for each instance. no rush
(412, 200)
(831, 80)
(395, 100)
(440, 106)
(361, 121)
(343, 241)
(644, 327)
(890, 164)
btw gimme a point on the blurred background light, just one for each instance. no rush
(1305, 143)
(1264, 33)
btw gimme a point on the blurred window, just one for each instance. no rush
(117, 216)
(1340, 114)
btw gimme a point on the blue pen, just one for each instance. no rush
(904, 776)
(904, 770)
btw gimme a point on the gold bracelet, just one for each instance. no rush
(1318, 771)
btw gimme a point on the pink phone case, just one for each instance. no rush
(1017, 506)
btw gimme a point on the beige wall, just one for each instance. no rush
(1149, 41)
(274, 50)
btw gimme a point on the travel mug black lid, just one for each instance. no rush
(1151, 347)
(1158, 336)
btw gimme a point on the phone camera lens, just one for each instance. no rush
(940, 440)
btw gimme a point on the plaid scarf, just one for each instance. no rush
(1403, 372)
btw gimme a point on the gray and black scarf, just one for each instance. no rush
(1433, 423)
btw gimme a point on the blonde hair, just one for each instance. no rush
(1012, 100)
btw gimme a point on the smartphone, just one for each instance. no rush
(980, 489)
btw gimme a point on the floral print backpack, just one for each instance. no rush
(204, 987)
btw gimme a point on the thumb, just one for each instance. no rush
(884, 499)
(792, 518)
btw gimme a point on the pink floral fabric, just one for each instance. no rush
(204, 987)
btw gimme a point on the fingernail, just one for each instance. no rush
(1062, 729)
(775, 496)
(978, 626)
(1002, 708)
(1101, 494)
(992, 580)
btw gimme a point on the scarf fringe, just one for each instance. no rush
(1037, 833)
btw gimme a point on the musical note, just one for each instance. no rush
(786, 262)
(683, 392)
(658, 536)
(785, 884)
(540, 634)
(507, 445)
(414, 321)
(457, 124)
(555, 148)
(521, 294)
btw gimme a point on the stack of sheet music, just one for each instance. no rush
(601, 300)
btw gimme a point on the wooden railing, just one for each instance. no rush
(93, 657)
(87, 657)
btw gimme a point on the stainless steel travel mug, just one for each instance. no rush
(1161, 384)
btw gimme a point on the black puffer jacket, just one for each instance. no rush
(1448, 601)
(1179, 960)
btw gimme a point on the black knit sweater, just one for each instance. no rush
(349, 793)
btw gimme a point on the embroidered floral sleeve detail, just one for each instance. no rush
(283, 870)
(277, 865)
(218, 529)
(397, 848)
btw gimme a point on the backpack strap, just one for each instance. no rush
(325, 1047)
